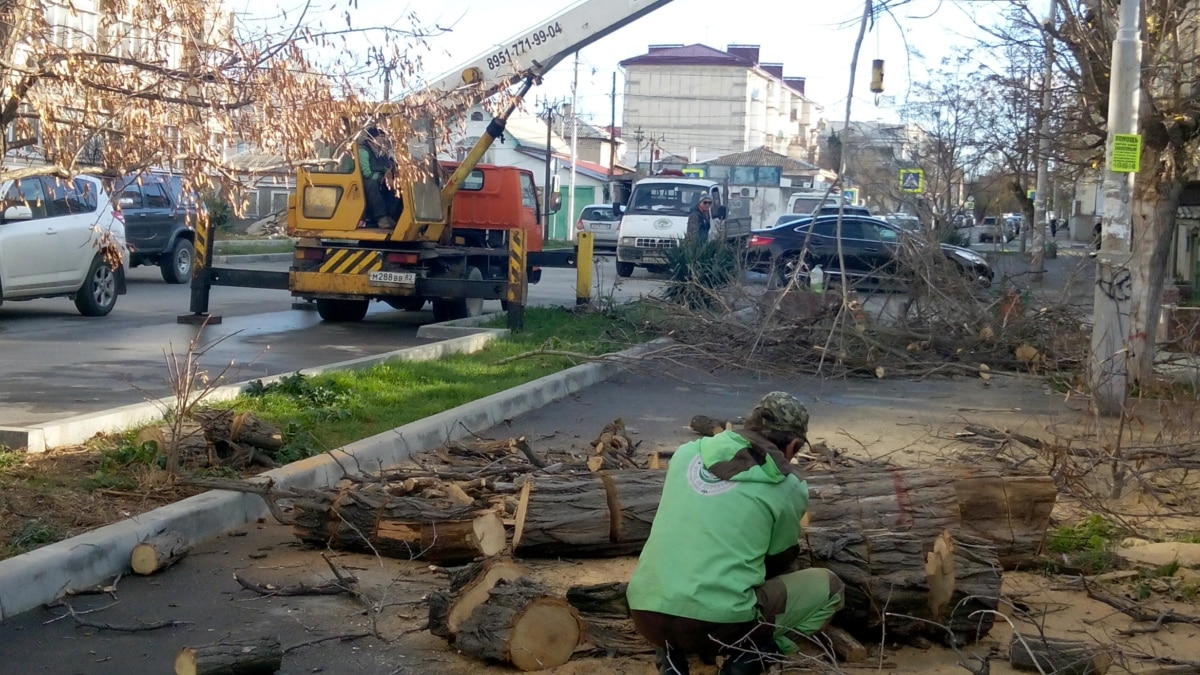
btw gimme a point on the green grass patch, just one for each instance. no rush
(1087, 545)
(10, 460)
(556, 244)
(326, 411)
(32, 534)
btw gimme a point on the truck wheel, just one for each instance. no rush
(342, 311)
(459, 308)
(408, 304)
(177, 264)
(624, 269)
(98, 294)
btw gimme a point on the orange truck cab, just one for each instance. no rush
(493, 201)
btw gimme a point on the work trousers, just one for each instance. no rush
(789, 607)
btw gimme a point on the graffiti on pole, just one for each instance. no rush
(1119, 288)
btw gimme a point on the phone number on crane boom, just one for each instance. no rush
(523, 45)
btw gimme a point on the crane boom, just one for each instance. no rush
(534, 51)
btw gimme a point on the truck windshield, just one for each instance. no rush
(665, 199)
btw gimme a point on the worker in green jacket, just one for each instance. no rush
(718, 575)
(375, 164)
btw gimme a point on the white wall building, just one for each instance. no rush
(696, 100)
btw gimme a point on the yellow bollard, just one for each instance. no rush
(517, 279)
(584, 251)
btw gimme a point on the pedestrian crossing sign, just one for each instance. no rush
(912, 180)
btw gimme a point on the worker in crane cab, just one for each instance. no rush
(718, 576)
(376, 164)
(700, 219)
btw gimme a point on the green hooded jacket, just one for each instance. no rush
(726, 505)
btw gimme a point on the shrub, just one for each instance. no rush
(699, 269)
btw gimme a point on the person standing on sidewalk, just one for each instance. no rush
(700, 220)
(718, 576)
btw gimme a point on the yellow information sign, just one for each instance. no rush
(1126, 153)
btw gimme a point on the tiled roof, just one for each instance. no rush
(689, 55)
(764, 157)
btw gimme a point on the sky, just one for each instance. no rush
(814, 39)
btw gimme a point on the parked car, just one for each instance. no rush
(823, 211)
(61, 238)
(160, 221)
(602, 221)
(996, 230)
(870, 247)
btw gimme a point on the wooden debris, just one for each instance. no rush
(158, 553)
(709, 426)
(605, 613)
(371, 519)
(1012, 512)
(469, 588)
(1064, 657)
(186, 446)
(521, 624)
(844, 645)
(235, 657)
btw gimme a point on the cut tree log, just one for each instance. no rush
(844, 645)
(240, 657)
(372, 520)
(602, 514)
(468, 589)
(708, 426)
(1064, 657)
(608, 629)
(158, 553)
(522, 625)
(188, 446)
(1012, 512)
(233, 427)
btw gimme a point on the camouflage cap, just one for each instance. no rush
(782, 412)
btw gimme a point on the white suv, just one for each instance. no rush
(61, 237)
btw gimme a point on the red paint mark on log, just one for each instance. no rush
(903, 514)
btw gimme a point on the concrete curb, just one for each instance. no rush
(75, 430)
(44, 575)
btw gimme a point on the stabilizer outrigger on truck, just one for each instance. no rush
(459, 237)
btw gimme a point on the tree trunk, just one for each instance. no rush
(232, 427)
(1011, 512)
(372, 520)
(158, 553)
(189, 447)
(520, 624)
(1062, 657)
(468, 589)
(605, 514)
(1156, 200)
(242, 657)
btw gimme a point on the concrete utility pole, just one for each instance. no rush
(1108, 375)
(1042, 188)
(548, 185)
(612, 143)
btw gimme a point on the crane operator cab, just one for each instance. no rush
(370, 188)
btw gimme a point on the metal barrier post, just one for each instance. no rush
(201, 286)
(583, 267)
(518, 280)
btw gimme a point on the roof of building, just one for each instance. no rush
(765, 157)
(687, 55)
(589, 169)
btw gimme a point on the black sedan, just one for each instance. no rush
(871, 248)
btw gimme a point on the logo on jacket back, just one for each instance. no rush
(704, 482)
(662, 224)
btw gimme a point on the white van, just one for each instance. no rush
(655, 219)
(61, 237)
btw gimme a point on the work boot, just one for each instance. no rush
(749, 663)
(385, 223)
(671, 661)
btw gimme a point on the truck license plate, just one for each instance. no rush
(393, 277)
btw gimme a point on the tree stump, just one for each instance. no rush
(1063, 657)
(240, 657)
(370, 519)
(521, 625)
(158, 553)
(468, 589)
(187, 447)
(222, 425)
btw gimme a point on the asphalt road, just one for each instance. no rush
(55, 363)
(893, 419)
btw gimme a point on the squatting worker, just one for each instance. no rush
(700, 219)
(717, 576)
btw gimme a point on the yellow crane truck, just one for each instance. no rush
(463, 233)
